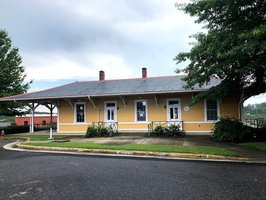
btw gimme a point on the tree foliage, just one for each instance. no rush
(232, 48)
(255, 111)
(12, 74)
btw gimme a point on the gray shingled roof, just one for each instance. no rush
(152, 85)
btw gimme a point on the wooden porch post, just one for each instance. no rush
(33, 107)
(51, 108)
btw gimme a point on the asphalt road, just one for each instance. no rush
(25, 175)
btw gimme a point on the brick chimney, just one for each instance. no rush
(144, 72)
(101, 76)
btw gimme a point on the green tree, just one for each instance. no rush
(255, 111)
(12, 75)
(232, 48)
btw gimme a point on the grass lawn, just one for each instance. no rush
(144, 147)
(33, 137)
(258, 145)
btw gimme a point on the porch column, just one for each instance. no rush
(51, 108)
(33, 107)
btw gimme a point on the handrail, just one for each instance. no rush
(112, 125)
(255, 123)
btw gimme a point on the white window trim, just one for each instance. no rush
(179, 109)
(105, 106)
(75, 113)
(205, 111)
(141, 100)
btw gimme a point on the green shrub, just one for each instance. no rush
(159, 130)
(103, 131)
(15, 129)
(259, 134)
(175, 131)
(172, 130)
(231, 130)
(92, 131)
(99, 131)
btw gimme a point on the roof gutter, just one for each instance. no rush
(101, 95)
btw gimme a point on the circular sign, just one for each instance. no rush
(186, 108)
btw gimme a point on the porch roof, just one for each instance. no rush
(120, 87)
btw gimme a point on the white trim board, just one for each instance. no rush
(200, 122)
(73, 124)
(137, 123)
(133, 123)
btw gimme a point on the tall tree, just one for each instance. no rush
(12, 74)
(232, 48)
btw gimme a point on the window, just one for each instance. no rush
(211, 107)
(80, 112)
(26, 123)
(173, 109)
(141, 110)
(43, 122)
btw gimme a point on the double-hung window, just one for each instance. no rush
(80, 112)
(141, 110)
(211, 109)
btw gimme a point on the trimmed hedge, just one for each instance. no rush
(15, 129)
(232, 130)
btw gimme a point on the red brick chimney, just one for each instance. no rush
(144, 72)
(101, 76)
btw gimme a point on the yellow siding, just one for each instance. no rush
(73, 128)
(200, 127)
(193, 120)
(195, 113)
(66, 113)
(229, 107)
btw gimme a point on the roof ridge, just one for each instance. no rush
(123, 79)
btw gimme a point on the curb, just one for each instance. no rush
(124, 153)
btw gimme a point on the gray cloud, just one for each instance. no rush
(143, 33)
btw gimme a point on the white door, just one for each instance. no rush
(173, 110)
(110, 111)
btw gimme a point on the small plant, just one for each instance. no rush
(99, 131)
(172, 130)
(92, 131)
(159, 130)
(103, 131)
(175, 131)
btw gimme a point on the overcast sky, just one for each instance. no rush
(64, 40)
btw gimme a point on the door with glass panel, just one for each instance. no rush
(110, 111)
(173, 110)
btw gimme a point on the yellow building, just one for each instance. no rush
(132, 105)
